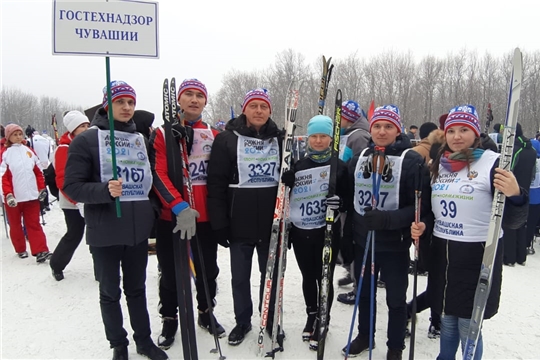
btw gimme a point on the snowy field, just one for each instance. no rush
(46, 319)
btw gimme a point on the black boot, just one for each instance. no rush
(120, 353)
(238, 334)
(310, 326)
(152, 352)
(168, 331)
(204, 322)
(394, 354)
(358, 346)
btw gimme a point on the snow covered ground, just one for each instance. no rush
(46, 319)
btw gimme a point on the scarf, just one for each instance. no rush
(318, 156)
(455, 161)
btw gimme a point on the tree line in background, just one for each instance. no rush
(423, 91)
(25, 109)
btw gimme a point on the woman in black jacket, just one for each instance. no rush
(309, 184)
(116, 242)
(464, 178)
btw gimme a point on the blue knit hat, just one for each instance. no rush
(118, 89)
(320, 124)
(193, 84)
(257, 94)
(351, 111)
(463, 115)
(387, 113)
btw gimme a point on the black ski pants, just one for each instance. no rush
(241, 261)
(70, 241)
(422, 303)
(308, 246)
(168, 298)
(532, 222)
(515, 245)
(107, 263)
(395, 267)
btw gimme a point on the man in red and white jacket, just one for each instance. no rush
(192, 98)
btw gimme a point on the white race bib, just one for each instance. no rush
(307, 204)
(258, 162)
(200, 154)
(132, 163)
(388, 191)
(535, 184)
(461, 201)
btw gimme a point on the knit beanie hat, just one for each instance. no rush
(426, 129)
(257, 94)
(463, 115)
(320, 124)
(11, 128)
(387, 113)
(118, 89)
(351, 111)
(193, 84)
(74, 119)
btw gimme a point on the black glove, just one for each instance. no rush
(222, 237)
(376, 219)
(288, 178)
(179, 131)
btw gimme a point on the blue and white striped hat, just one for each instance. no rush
(386, 113)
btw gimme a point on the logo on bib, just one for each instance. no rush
(324, 174)
(324, 187)
(138, 143)
(466, 189)
(141, 156)
(207, 148)
(272, 152)
(472, 174)
(204, 136)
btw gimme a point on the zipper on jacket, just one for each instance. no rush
(446, 277)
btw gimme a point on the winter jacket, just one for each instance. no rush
(82, 183)
(163, 186)
(424, 147)
(397, 237)
(21, 174)
(455, 265)
(534, 193)
(42, 147)
(246, 212)
(342, 190)
(357, 138)
(60, 159)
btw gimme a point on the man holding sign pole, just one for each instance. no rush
(116, 242)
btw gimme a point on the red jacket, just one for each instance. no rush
(60, 160)
(163, 186)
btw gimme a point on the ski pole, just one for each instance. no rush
(417, 204)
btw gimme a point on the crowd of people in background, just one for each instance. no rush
(232, 204)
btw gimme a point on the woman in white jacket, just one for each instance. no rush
(23, 186)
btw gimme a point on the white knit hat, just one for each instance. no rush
(74, 119)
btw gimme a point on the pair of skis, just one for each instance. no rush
(177, 164)
(497, 207)
(277, 252)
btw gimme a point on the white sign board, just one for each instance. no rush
(105, 28)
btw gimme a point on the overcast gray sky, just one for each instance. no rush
(207, 38)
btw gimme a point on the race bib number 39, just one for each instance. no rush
(258, 162)
(132, 164)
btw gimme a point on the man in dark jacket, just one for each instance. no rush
(116, 242)
(243, 174)
(523, 167)
(386, 224)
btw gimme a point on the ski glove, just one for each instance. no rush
(376, 219)
(222, 237)
(42, 195)
(186, 223)
(288, 178)
(10, 200)
(334, 202)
